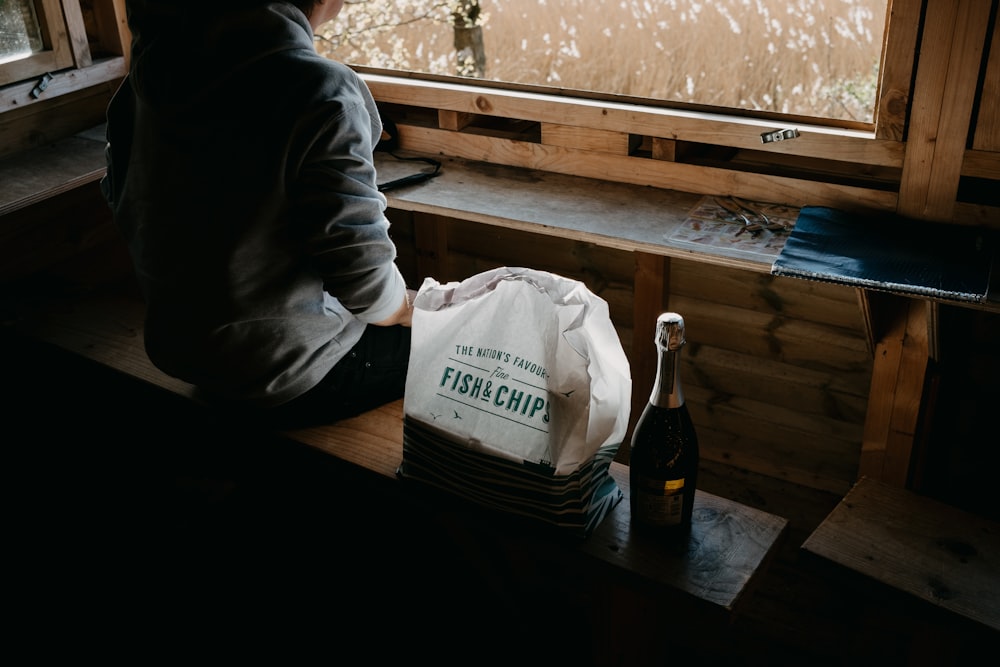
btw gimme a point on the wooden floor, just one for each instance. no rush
(144, 527)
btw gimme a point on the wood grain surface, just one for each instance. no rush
(938, 553)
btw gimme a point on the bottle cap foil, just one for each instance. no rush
(670, 331)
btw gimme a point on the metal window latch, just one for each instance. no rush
(778, 135)
(42, 84)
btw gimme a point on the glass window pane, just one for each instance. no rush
(817, 58)
(20, 34)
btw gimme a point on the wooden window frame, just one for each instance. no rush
(875, 166)
(56, 53)
(74, 41)
(895, 74)
(665, 130)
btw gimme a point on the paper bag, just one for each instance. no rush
(517, 395)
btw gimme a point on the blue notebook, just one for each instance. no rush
(888, 253)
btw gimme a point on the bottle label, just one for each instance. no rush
(660, 503)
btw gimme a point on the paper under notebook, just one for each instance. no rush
(888, 253)
(713, 228)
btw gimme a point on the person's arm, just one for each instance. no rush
(403, 316)
(340, 213)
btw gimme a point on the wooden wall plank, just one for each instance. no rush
(785, 339)
(825, 303)
(806, 391)
(801, 465)
(431, 237)
(983, 163)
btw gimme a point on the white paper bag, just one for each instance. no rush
(524, 369)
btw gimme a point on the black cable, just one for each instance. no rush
(412, 179)
(388, 144)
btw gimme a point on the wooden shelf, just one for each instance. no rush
(608, 214)
(933, 551)
(32, 176)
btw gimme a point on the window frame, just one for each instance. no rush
(68, 36)
(876, 145)
(844, 148)
(57, 52)
(882, 167)
(895, 74)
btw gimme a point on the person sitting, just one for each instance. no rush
(241, 174)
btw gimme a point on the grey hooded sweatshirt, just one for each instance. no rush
(240, 172)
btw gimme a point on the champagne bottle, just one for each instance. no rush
(663, 465)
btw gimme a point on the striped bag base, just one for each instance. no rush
(574, 503)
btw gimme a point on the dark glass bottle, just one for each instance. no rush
(663, 463)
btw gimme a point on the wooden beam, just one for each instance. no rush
(894, 402)
(581, 138)
(454, 120)
(987, 137)
(867, 315)
(77, 30)
(943, 97)
(643, 171)
(902, 24)
(114, 35)
(651, 294)
(819, 141)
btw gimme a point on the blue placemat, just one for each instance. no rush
(888, 253)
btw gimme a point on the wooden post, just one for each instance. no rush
(651, 292)
(943, 99)
(898, 375)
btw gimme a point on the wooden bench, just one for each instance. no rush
(730, 547)
(937, 553)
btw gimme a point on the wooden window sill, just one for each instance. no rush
(32, 176)
(607, 214)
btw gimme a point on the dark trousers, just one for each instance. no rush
(372, 374)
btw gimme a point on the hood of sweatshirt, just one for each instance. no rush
(184, 58)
